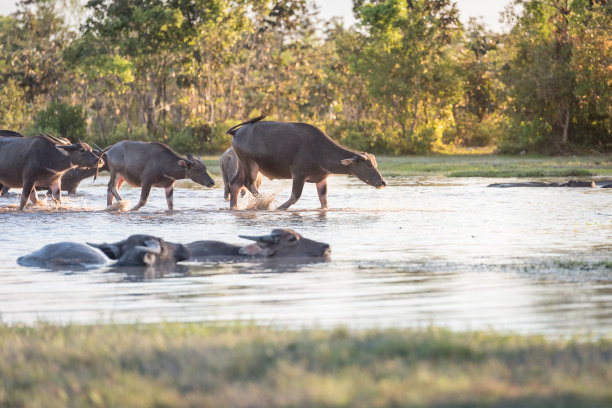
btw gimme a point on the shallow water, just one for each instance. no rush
(423, 251)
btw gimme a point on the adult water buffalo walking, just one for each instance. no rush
(150, 164)
(28, 162)
(298, 151)
(7, 133)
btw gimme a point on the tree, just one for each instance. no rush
(406, 64)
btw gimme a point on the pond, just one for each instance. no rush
(423, 251)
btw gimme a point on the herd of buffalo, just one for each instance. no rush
(277, 150)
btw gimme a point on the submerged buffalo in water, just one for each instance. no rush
(136, 250)
(147, 250)
(295, 151)
(280, 243)
(63, 254)
(141, 250)
(28, 162)
(570, 183)
(230, 165)
(150, 164)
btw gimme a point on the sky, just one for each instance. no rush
(489, 10)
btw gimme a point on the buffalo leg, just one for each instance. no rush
(5, 191)
(322, 191)
(144, 196)
(296, 192)
(28, 189)
(170, 197)
(250, 178)
(56, 192)
(113, 185)
(34, 196)
(226, 187)
(236, 186)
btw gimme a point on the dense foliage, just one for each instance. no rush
(407, 78)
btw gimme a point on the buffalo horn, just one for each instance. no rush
(268, 239)
(62, 141)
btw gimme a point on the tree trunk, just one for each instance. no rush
(416, 103)
(565, 127)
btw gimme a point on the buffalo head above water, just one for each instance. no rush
(140, 250)
(284, 243)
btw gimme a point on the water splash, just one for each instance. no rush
(261, 203)
(118, 206)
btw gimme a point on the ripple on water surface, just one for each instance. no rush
(426, 250)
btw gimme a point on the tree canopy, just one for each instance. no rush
(409, 77)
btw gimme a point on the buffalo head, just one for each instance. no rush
(196, 171)
(284, 243)
(143, 250)
(363, 165)
(80, 154)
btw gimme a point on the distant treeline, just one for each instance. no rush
(408, 78)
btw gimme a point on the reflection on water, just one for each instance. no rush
(424, 250)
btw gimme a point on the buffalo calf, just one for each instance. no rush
(150, 164)
(230, 166)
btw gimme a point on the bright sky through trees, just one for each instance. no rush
(489, 10)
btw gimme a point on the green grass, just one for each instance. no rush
(496, 166)
(195, 365)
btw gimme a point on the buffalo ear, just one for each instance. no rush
(149, 258)
(350, 161)
(110, 250)
(183, 164)
(256, 250)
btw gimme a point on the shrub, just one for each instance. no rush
(12, 105)
(62, 119)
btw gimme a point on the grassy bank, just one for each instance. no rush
(496, 166)
(195, 365)
(484, 166)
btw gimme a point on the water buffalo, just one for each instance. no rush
(570, 183)
(28, 162)
(295, 151)
(73, 177)
(281, 243)
(150, 164)
(141, 250)
(230, 165)
(63, 254)
(7, 133)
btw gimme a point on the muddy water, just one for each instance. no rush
(423, 251)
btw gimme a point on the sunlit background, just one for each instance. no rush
(488, 11)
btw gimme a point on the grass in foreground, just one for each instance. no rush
(195, 365)
(483, 166)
